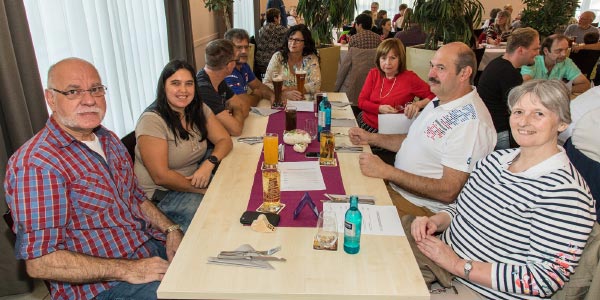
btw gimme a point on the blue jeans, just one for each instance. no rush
(179, 207)
(127, 291)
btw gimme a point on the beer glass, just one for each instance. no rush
(277, 87)
(300, 79)
(327, 156)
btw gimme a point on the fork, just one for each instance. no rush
(242, 252)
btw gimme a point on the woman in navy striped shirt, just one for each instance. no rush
(519, 226)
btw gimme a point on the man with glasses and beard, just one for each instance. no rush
(242, 80)
(553, 63)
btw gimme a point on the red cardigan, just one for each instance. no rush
(408, 86)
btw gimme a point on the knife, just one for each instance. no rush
(362, 199)
(248, 257)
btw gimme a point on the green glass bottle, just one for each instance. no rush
(352, 225)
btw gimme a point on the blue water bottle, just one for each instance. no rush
(352, 224)
(324, 115)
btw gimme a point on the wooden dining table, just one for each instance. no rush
(385, 267)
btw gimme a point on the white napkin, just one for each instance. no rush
(263, 111)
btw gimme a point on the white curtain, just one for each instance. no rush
(243, 15)
(125, 40)
(391, 6)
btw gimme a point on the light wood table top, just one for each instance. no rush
(385, 267)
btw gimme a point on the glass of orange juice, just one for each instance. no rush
(270, 148)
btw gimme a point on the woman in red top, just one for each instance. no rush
(390, 87)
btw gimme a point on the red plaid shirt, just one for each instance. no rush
(64, 196)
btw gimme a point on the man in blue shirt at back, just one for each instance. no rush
(242, 79)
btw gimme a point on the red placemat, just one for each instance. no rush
(331, 176)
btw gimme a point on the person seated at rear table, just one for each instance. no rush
(553, 63)
(297, 52)
(242, 80)
(386, 29)
(390, 86)
(519, 225)
(411, 33)
(172, 136)
(500, 30)
(268, 41)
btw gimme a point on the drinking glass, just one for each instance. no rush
(277, 89)
(300, 80)
(270, 146)
(310, 126)
(327, 155)
(290, 117)
(327, 231)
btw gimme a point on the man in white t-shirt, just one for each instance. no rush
(434, 159)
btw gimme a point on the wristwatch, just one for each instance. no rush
(468, 267)
(214, 160)
(172, 228)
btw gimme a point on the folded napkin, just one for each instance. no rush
(262, 111)
(242, 262)
(343, 122)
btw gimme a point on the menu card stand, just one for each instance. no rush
(306, 199)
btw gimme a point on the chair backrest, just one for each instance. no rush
(588, 168)
(129, 141)
(8, 219)
(353, 71)
(585, 60)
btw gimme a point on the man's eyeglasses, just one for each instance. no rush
(74, 94)
(293, 40)
(242, 47)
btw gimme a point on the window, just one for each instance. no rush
(242, 18)
(391, 6)
(125, 40)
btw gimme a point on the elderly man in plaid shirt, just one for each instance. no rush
(81, 220)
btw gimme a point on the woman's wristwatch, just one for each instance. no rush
(467, 268)
(173, 228)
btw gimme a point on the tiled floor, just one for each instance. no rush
(40, 292)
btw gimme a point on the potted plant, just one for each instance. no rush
(221, 6)
(448, 20)
(322, 16)
(546, 16)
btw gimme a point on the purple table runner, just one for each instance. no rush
(331, 176)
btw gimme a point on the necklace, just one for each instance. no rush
(381, 90)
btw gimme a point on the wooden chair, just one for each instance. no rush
(129, 141)
(586, 61)
(478, 56)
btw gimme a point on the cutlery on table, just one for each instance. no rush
(256, 252)
(250, 257)
(362, 199)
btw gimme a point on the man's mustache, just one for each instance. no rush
(433, 80)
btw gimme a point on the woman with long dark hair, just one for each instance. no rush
(172, 160)
(298, 52)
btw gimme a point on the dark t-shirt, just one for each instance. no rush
(217, 101)
(498, 78)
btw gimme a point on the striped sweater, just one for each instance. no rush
(532, 226)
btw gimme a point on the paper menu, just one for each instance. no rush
(302, 105)
(376, 219)
(301, 176)
(394, 123)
